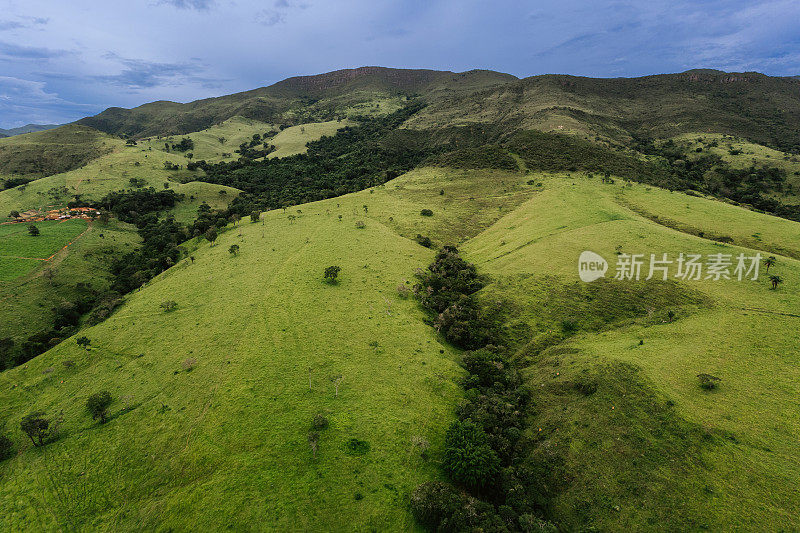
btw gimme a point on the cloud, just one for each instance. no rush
(139, 74)
(25, 101)
(10, 25)
(199, 5)
(15, 51)
(277, 14)
(16, 24)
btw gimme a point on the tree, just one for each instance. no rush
(33, 231)
(13, 214)
(708, 382)
(313, 441)
(769, 261)
(255, 216)
(98, 404)
(35, 426)
(775, 280)
(211, 234)
(332, 273)
(468, 458)
(168, 305)
(234, 249)
(426, 213)
(83, 342)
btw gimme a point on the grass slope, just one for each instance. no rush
(237, 423)
(52, 151)
(623, 437)
(293, 140)
(27, 298)
(726, 459)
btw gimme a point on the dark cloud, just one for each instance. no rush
(139, 74)
(15, 51)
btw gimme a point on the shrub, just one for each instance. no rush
(356, 447)
(98, 404)
(424, 241)
(83, 342)
(332, 273)
(319, 421)
(189, 364)
(234, 249)
(255, 216)
(708, 382)
(36, 427)
(360, 224)
(168, 305)
(426, 213)
(468, 458)
(6, 447)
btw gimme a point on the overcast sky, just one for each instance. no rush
(62, 60)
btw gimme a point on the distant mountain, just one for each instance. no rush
(761, 108)
(292, 101)
(30, 128)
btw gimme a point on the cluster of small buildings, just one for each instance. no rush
(33, 215)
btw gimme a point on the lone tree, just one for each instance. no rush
(211, 234)
(332, 273)
(33, 231)
(775, 280)
(83, 342)
(234, 249)
(98, 404)
(168, 305)
(313, 441)
(426, 213)
(13, 214)
(769, 261)
(35, 426)
(708, 382)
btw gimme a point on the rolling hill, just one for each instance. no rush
(29, 128)
(248, 392)
(222, 404)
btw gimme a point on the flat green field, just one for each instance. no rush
(19, 251)
(217, 396)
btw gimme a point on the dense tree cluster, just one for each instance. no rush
(484, 448)
(357, 157)
(709, 173)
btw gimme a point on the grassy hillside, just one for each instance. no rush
(293, 140)
(43, 153)
(622, 436)
(223, 403)
(29, 295)
(629, 444)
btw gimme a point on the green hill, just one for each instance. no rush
(621, 433)
(250, 393)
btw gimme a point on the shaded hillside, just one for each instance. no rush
(50, 152)
(754, 106)
(319, 98)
